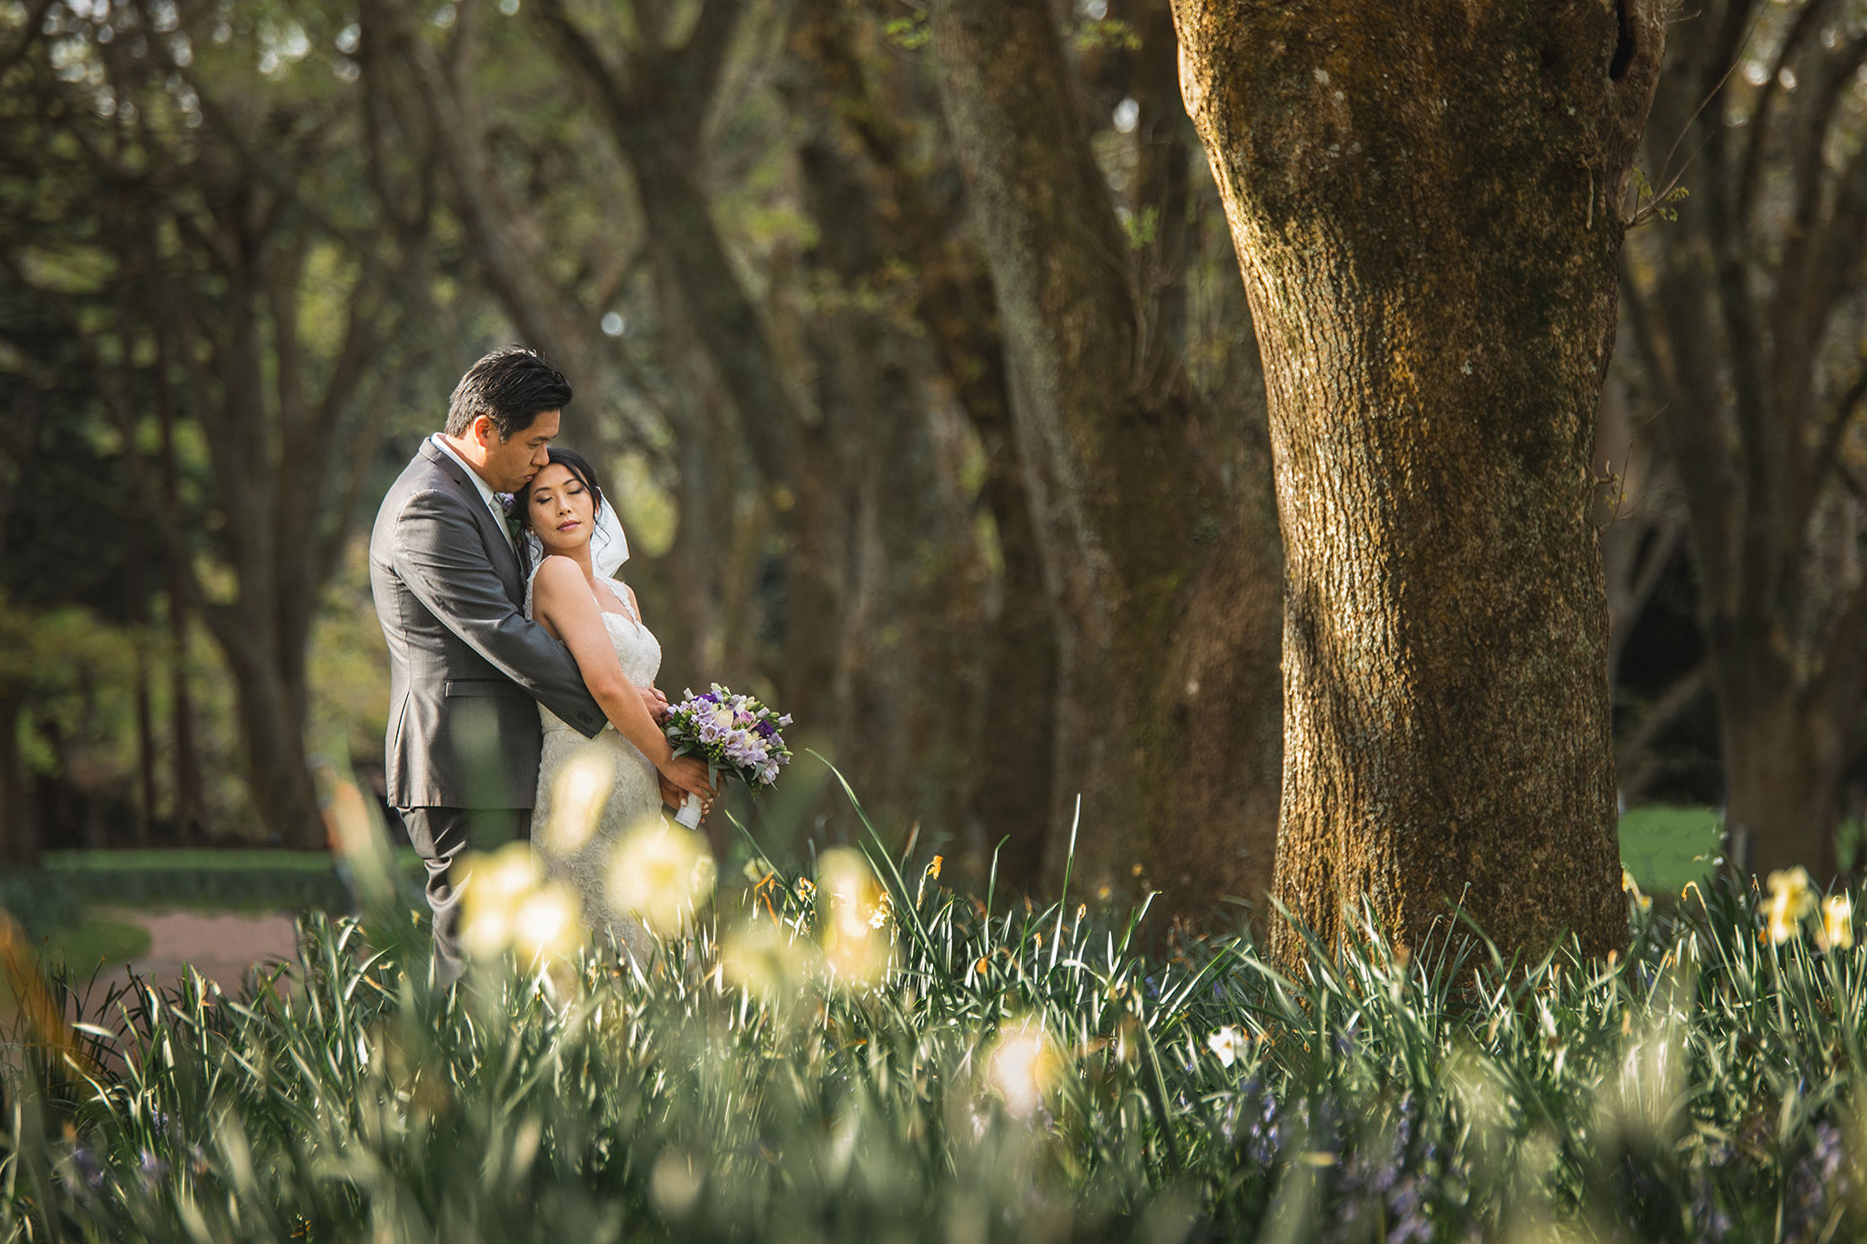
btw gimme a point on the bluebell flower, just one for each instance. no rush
(85, 1163)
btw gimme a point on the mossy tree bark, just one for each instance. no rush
(1162, 581)
(1426, 204)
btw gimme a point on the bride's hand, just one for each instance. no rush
(672, 796)
(689, 774)
(656, 704)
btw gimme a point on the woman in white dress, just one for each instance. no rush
(597, 617)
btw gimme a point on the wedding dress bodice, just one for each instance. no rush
(634, 798)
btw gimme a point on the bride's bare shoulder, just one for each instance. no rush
(556, 574)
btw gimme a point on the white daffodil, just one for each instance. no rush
(1226, 1044)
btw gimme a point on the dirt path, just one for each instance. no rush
(221, 947)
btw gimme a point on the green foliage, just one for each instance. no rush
(1650, 202)
(1106, 34)
(1699, 1088)
(1142, 228)
(910, 33)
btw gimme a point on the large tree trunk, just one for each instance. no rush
(184, 756)
(1143, 551)
(1425, 199)
(1785, 750)
(272, 721)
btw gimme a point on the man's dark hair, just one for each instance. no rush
(511, 387)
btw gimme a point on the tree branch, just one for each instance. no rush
(1827, 453)
(1759, 121)
(703, 59)
(586, 61)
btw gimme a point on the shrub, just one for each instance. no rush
(42, 903)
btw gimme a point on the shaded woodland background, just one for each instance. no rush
(247, 248)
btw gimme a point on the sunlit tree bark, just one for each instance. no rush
(1426, 200)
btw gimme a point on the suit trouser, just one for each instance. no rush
(442, 835)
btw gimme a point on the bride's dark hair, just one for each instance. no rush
(579, 467)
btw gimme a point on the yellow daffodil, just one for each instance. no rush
(1631, 888)
(661, 874)
(545, 928)
(852, 912)
(492, 888)
(1837, 922)
(767, 960)
(1791, 898)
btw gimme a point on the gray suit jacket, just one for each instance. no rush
(465, 663)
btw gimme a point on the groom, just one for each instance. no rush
(467, 668)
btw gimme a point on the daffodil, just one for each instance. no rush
(1791, 898)
(767, 960)
(1631, 888)
(545, 928)
(662, 874)
(1025, 1067)
(852, 912)
(492, 888)
(581, 788)
(1837, 922)
(1226, 1044)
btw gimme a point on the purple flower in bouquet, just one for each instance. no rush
(736, 735)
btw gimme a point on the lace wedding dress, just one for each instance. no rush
(634, 797)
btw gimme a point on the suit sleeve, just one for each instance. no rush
(439, 555)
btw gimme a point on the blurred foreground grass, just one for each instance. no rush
(854, 1054)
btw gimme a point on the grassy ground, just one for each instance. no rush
(1665, 847)
(855, 1055)
(101, 941)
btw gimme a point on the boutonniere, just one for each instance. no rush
(513, 526)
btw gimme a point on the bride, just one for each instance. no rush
(597, 618)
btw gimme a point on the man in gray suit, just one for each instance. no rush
(467, 668)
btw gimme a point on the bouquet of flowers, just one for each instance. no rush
(735, 734)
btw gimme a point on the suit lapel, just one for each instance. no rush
(508, 563)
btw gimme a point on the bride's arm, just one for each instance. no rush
(561, 600)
